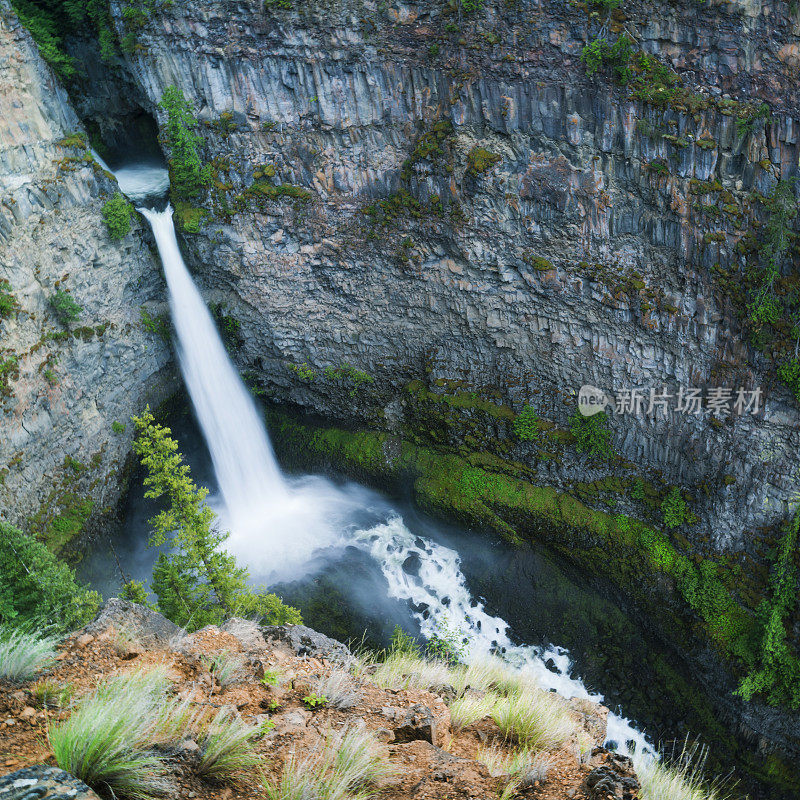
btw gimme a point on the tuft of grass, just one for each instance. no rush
(679, 777)
(406, 671)
(349, 761)
(107, 741)
(492, 674)
(534, 718)
(471, 708)
(23, 654)
(338, 688)
(49, 693)
(500, 761)
(226, 667)
(584, 744)
(226, 748)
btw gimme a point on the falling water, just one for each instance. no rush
(276, 521)
(245, 465)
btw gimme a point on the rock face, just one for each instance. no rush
(62, 386)
(526, 244)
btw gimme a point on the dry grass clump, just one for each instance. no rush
(536, 719)
(119, 738)
(23, 654)
(679, 778)
(347, 766)
(226, 748)
(470, 708)
(339, 689)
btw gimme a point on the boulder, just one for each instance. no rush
(43, 783)
(307, 642)
(148, 626)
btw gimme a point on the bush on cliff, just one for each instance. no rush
(35, 587)
(188, 176)
(64, 307)
(592, 434)
(117, 216)
(196, 581)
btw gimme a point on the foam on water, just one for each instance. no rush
(278, 524)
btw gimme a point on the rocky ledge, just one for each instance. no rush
(276, 670)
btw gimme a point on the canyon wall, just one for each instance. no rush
(592, 238)
(67, 389)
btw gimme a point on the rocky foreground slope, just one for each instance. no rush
(430, 757)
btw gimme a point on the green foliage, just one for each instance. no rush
(749, 122)
(64, 307)
(9, 370)
(50, 21)
(229, 327)
(777, 676)
(446, 645)
(789, 373)
(304, 372)
(403, 642)
(471, 6)
(117, 216)
(637, 491)
(157, 325)
(673, 509)
(8, 303)
(765, 307)
(270, 677)
(37, 588)
(603, 6)
(480, 160)
(526, 424)
(118, 427)
(135, 592)
(600, 55)
(188, 176)
(196, 581)
(592, 434)
(314, 701)
(354, 376)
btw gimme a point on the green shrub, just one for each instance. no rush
(789, 373)
(188, 175)
(24, 654)
(637, 492)
(599, 55)
(37, 588)
(64, 307)
(117, 216)
(777, 675)
(118, 427)
(196, 580)
(8, 303)
(673, 508)
(135, 592)
(313, 701)
(480, 160)
(526, 424)
(592, 434)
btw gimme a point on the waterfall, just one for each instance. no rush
(250, 480)
(277, 522)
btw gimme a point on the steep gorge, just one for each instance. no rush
(420, 221)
